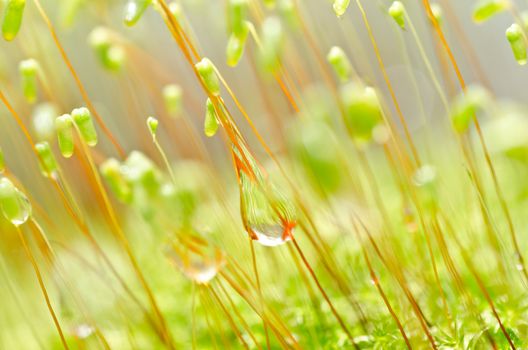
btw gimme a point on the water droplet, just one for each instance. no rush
(268, 216)
(519, 267)
(196, 258)
(271, 235)
(14, 204)
(24, 210)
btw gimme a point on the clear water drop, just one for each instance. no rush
(272, 235)
(196, 258)
(24, 210)
(16, 208)
(268, 215)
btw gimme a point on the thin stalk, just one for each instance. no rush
(257, 280)
(42, 286)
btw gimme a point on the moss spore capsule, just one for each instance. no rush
(235, 48)
(48, 163)
(141, 173)
(152, 124)
(109, 52)
(28, 73)
(515, 36)
(362, 111)
(438, 13)
(43, 119)
(14, 204)
(172, 98)
(340, 7)
(134, 9)
(84, 122)
(237, 16)
(397, 12)
(64, 128)
(466, 105)
(507, 133)
(287, 10)
(210, 122)
(176, 10)
(486, 9)
(340, 63)
(13, 14)
(424, 179)
(111, 172)
(318, 151)
(272, 43)
(208, 75)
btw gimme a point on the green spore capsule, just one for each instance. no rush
(506, 134)
(288, 12)
(272, 43)
(15, 205)
(340, 7)
(438, 13)
(235, 49)
(362, 111)
(176, 10)
(237, 16)
(43, 118)
(424, 178)
(48, 163)
(397, 12)
(134, 10)
(340, 63)
(84, 122)
(466, 105)
(64, 129)
(2, 161)
(111, 55)
(317, 149)
(141, 172)
(486, 9)
(207, 72)
(13, 14)
(111, 172)
(210, 122)
(173, 99)
(116, 57)
(28, 73)
(515, 36)
(152, 124)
